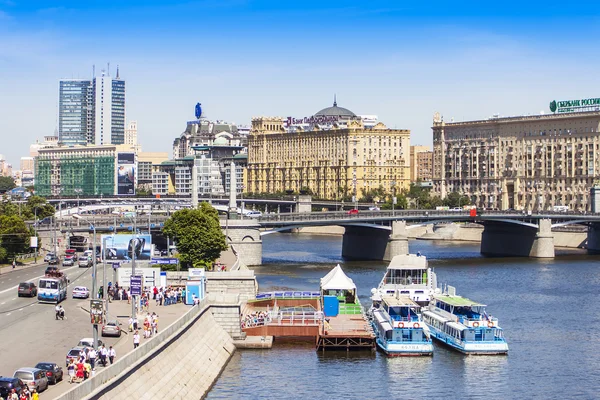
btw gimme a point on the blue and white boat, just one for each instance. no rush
(464, 324)
(398, 327)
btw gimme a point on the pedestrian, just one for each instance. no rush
(136, 340)
(93, 354)
(14, 263)
(87, 370)
(71, 370)
(35, 395)
(103, 355)
(130, 324)
(112, 354)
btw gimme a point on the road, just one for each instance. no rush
(29, 332)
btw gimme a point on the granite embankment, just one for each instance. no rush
(182, 361)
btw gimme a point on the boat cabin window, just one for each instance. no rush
(406, 277)
(405, 292)
(390, 292)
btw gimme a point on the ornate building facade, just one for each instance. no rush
(526, 162)
(332, 154)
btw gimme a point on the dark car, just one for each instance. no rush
(51, 270)
(7, 384)
(53, 260)
(27, 289)
(54, 372)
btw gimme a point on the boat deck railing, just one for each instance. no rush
(405, 281)
(287, 295)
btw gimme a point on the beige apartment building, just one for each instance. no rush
(424, 166)
(329, 153)
(420, 165)
(526, 162)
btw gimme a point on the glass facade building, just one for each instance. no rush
(91, 111)
(75, 111)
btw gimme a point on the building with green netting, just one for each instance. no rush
(78, 170)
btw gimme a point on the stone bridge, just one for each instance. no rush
(380, 235)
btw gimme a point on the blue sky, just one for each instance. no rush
(399, 60)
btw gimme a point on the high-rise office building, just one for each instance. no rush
(75, 111)
(92, 111)
(131, 133)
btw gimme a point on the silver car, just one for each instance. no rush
(34, 378)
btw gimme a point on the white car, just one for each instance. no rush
(81, 292)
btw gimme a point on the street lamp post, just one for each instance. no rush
(94, 290)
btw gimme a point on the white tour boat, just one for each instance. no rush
(398, 327)
(407, 275)
(464, 324)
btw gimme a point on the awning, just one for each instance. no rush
(337, 280)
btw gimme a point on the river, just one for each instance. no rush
(547, 309)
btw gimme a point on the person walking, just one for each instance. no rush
(136, 340)
(103, 355)
(112, 354)
(93, 354)
(71, 370)
(14, 263)
(35, 395)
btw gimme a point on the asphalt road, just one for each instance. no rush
(29, 332)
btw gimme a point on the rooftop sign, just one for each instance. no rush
(565, 106)
(312, 120)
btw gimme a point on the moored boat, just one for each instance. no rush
(398, 327)
(408, 275)
(464, 324)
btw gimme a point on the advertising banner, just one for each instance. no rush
(150, 276)
(123, 247)
(126, 173)
(96, 311)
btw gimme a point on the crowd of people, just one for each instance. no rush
(81, 368)
(256, 318)
(25, 395)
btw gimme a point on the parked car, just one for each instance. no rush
(35, 378)
(111, 328)
(51, 270)
(80, 292)
(73, 354)
(354, 211)
(7, 384)
(88, 342)
(54, 372)
(27, 289)
(68, 261)
(49, 256)
(84, 261)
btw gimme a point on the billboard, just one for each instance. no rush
(126, 173)
(122, 247)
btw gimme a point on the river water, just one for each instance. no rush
(548, 309)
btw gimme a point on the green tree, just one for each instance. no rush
(14, 237)
(455, 199)
(44, 209)
(6, 183)
(142, 191)
(7, 207)
(198, 235)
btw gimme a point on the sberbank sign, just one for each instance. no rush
(573, 105)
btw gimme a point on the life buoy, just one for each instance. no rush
(416, 325)
(490, 324)
(400, 324)
(476, 324)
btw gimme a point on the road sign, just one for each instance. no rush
(135, 284)
(116, 265)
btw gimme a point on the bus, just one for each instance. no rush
(52, 289)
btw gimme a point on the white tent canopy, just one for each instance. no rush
(336, 279)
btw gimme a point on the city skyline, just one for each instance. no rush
(403, 64)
